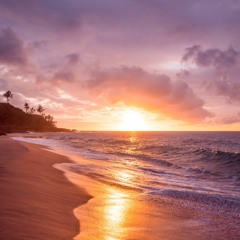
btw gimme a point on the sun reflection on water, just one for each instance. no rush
(116, 208)
(133, 139)
(133, 144)
(124, 176)
(111, 211)
(110, 238)
(118, 203)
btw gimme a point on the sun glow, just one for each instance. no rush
(133, 120)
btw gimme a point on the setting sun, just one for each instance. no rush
(133, 120)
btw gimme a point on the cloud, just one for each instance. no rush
(224, 79)
(73, 58)
(134, 86)
(12, 49)
(38, 45)
(60, 14)
(183, 73)
(232, 119)
(63, 76)
(227, 88)
(212, 57)
(229, 118)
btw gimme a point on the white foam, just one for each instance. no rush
(39, 141)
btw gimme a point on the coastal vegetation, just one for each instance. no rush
(13, 119)
(8, 95)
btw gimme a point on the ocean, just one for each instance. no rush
(195, 166)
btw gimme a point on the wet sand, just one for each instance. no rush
(117, 214)
(36, 200)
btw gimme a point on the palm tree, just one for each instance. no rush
(32, 110)
(8, 95)
(50, 119)
(40, 109)
(26, 106)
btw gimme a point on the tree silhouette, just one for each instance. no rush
(32, 110)
(40, 109)
(26, 106)
(8, 95)
(50, 119)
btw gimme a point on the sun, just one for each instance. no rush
(133, 120)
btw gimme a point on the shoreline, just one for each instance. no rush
(36, 200)
(113, 213)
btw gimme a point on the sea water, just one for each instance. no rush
(198, 166)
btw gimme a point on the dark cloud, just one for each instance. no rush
(212, 57)
(73, 58)
(183, 74)
(54, 13)
(38, 44)
(12, 49)
(63, 76)
(227, 88)
(224, 80)
(136, 87)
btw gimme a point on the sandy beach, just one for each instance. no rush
(36, 200)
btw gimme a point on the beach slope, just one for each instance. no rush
(36, 200)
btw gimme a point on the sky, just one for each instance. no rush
(124, 65)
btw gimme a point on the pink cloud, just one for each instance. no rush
(135, 87)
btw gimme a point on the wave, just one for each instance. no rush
(207, 199)
(222, 159)
(99, 173)
(165, 161)
(161, 149)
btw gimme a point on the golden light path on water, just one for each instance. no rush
(118, 204)
(106, 216)
(115, 215)
(108, 212)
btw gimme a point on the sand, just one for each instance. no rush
(36, 200)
